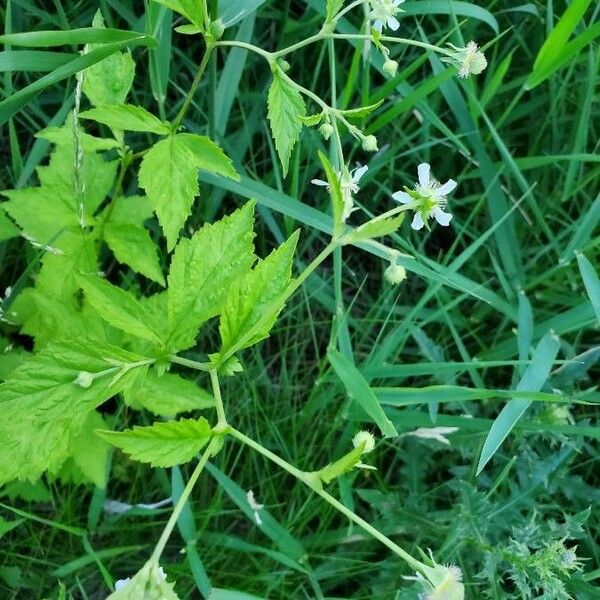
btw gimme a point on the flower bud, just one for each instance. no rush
(84, 379)
(326, 130)
(216, 28)
(395, 274)
(370, 143)
(390, 67)
(366, 438)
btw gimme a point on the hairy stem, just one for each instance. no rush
(216, 388)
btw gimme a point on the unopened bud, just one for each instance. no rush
(395, 274)
(84, 379)
(326, 130)
(366, 438)
(217, 28)
(370, 144)
(390, 67)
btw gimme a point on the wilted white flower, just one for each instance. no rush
(433, 433)
(349, 184)
(383, 14)
(254, 506)
(390, 67)
(440, 582)
(369, 143)
(429, 196)
(395, 274)
(469, 60)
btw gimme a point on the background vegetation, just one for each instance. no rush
(479, 296)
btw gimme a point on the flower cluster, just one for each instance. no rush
(469, 60)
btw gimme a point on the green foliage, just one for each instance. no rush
(150, 583)
(163, 444)
(127, 117)
(49, 410)
(169, 175)
(286, 109)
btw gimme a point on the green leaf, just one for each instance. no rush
(89, 453)
(285, 111)
(335, 192)
(48, 410)
(333, 7)
(127, 117)
(133, 246)
(361, 111)
(63, 136)
(168, 395)
(203, 270)
(254, 302)
(375, 228)
(551, 50)
(190, 9)
(169, 175)
(118, 307)
(591, 282)
(358, 388)
(8, 229)
(533, 379)
(162, 444)
(343, 465)
(109, 80)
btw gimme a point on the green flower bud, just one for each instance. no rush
(216, 29)
(326, 130)
(390, 67)
(84, 379)
(370, 143)
(366, 438)
(395, 274)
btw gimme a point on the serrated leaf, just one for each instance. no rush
(335, 192)
(203, 270)
(127, 117)
(162, 444)
(117, 307)
(361, 111)
(286, 109)
(63, 136)
(108, 81)
(47, 409)
(359, 389)
(253, 304)
(168, 395)
(133, 246)
(169, 175)
(8, 229)
(312, 120)
(190, 9)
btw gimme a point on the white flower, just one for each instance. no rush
(366, 438)
(429, 196)
(349, 184)
(383, 14)
(469, 60)
(433, 433)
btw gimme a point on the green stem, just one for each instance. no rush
(311, 267)
(162, 542)
(348, 9)
(221, 420)
(269, 56)
(192, 364)
(305, 478)
(190, 95)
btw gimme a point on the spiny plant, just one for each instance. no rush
(95, 341)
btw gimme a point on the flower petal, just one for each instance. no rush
(447, 187)
(319, 182)
(358, 173)
(401, 197)
(424, 171)
(393, 23)
(443, 218)
(417, 222)
(378, 25)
